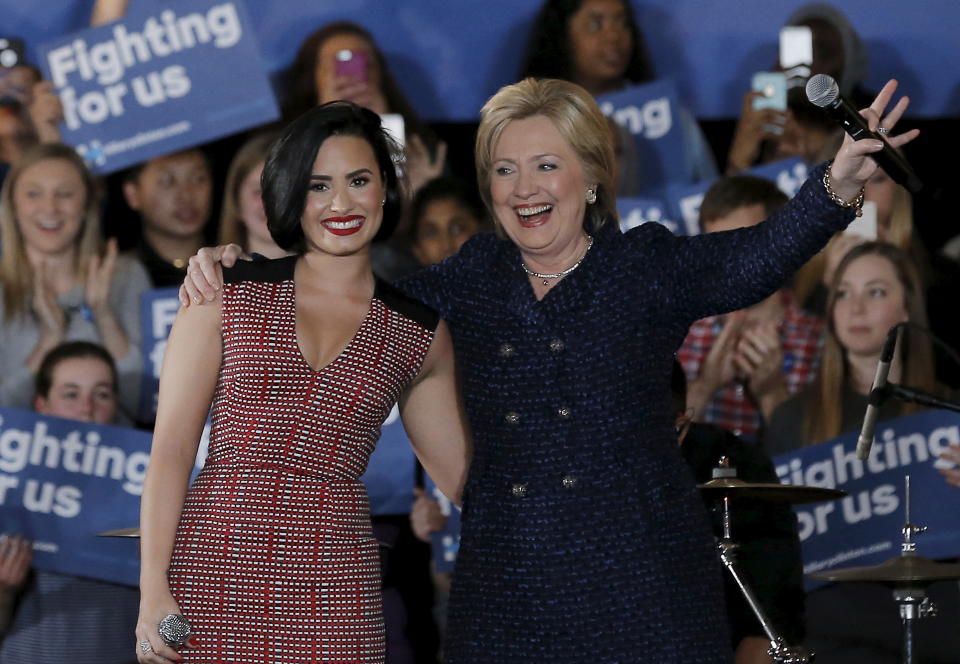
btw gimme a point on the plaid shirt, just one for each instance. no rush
(732, 406)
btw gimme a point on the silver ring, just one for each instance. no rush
(883, 130)
(145, 646)
(174, 630)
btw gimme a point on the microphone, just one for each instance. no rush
(878, 393)
(824, 92)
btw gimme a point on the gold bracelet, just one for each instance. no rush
(856, 203)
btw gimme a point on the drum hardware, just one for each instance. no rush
(909, 575)
(727, 486)
(121, 532)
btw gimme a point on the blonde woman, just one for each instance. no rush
(60, 283)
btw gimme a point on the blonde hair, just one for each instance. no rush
(825, 413)
(16, 272)
(575, 114)
(254, 151)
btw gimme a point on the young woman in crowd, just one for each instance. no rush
(875, 287)
(242, 218)
(303, 358)
(58, 617)
(314, 79)
(565, 332)
(59, 281)
(598, 45)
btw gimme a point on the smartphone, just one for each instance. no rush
(796, 46)
(352, 64)
(772, 85)
(11, 52)
(866, 224)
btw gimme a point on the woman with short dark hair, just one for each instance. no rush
(271, 551)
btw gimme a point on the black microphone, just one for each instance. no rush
(823, 91)
(878, 393)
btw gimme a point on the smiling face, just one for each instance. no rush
(49, 202)
(81, 388)
(601, 43)
(537, 188)
(344, 206)
(870, 299)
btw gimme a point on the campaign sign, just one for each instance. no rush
(444, 544)
(390, 473)
(650, 113)
(637, 211)
(62, 482)
(683, 203)
(863, 528)
(158, 309)
(163, 78)
(788, 174)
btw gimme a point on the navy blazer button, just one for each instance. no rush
(506, 350)
(569, 481)
(556, 345)
(563, 412)
(512, 418)
(519, 490)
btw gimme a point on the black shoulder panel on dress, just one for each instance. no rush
(413, 309)
(279, 269)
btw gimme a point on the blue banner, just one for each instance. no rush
(390, 473)
(637, 211)
(864, 527)
(158, 309)
(651, 114)
(62, 482)
(788, 174)
(163, 78)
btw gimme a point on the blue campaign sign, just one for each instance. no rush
(163, 78)
(390, 473)
(683, 203)
(158, 309)
(788, 174)
(650, 113)
(864, 527)
(636, 211)
(62, 482)
(444, 544)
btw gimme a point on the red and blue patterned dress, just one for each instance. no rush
(274, 559)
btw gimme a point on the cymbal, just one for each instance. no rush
(121, 532)
(904, 569)
(778, 493)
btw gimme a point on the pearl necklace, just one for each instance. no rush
(562, 273)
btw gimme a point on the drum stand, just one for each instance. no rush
(779, 650)
(911, 597)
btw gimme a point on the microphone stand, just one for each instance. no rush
(911, 395)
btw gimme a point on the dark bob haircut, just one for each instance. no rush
(286, 173)
(71, 350)
(550, 53)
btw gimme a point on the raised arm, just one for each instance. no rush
(191, 365)
(434, 418)
(743, 266)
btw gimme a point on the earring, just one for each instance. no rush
(383, 202)
(591, 196)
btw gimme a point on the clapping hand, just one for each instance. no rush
(99, 279)
(49, 313)
(759, 361)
